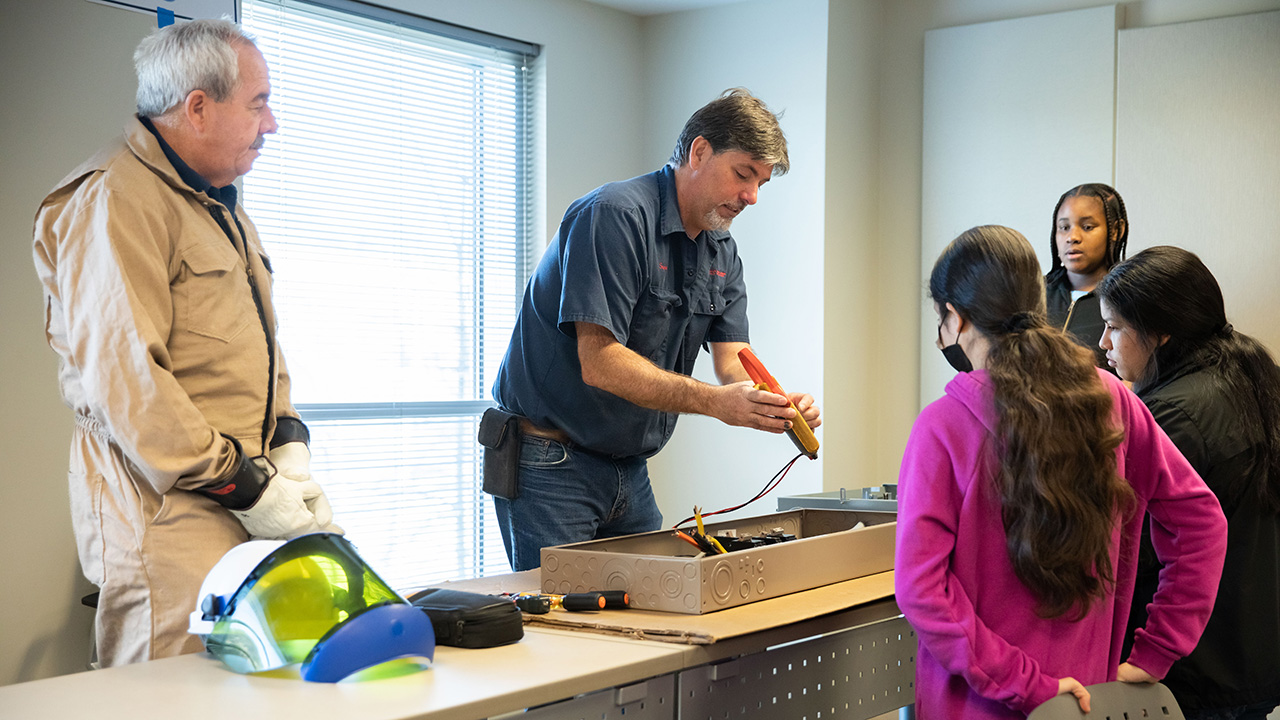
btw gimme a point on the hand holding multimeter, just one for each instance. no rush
(800, 433)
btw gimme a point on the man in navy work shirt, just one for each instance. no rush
(642, 274)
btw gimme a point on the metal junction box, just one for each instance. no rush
(662, 572)
(882, 499)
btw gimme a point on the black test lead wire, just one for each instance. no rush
(768, 487)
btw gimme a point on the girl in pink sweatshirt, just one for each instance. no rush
(1021, 498)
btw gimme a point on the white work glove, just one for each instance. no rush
(293, 461)
(281, 513)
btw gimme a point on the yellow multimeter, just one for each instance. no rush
(800, 433)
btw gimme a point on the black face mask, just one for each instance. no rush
(955, 355)
(956, 358)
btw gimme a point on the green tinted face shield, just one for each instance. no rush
(311, 601)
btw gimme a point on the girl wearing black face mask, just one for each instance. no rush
(1020, 505)
(953, 353)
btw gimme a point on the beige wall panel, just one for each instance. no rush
(864, 386)
(69, 88)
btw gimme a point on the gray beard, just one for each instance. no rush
(716, 222)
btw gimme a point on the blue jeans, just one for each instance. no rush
(567, 494)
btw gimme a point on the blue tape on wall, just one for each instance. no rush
(170, 11)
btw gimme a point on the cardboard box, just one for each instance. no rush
(663, 572)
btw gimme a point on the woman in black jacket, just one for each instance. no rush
(1216, 392)
(1090, 233)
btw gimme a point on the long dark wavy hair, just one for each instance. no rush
(1167, 291)
(1060, 494)
(1117, 225)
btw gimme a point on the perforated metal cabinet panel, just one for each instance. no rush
(653, 699)
(853, 675)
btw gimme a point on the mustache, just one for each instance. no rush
(257, 144)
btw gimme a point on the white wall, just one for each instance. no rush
(1002, 141)
(1198, 153)
(777, 51)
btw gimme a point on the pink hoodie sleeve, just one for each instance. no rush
(1189, 533)
(931, 596)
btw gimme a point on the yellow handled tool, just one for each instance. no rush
(800, 433)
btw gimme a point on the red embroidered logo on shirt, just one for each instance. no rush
(717, 273)
(661, 266)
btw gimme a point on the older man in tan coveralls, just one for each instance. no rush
(158, 302)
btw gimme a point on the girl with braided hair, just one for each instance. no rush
(1216, 392)
(1021, 498)
(1090, 234)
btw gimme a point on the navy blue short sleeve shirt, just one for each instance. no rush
(621, 260)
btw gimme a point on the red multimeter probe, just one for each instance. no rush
(799, 433)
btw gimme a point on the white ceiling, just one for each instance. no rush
(658, 7)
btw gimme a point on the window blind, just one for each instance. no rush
(394, 202)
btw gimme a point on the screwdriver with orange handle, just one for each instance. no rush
(541, 603)
(800, 433)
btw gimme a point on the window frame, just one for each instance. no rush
(526, 239)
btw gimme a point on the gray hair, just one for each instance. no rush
(737, 120)
(176, 60)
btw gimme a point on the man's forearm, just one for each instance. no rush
(729, 367)
(612, 367)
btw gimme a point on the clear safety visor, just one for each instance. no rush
(291, 601)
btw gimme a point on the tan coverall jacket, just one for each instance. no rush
(149, 306)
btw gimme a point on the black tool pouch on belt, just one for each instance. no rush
(470, 620)
(500, 436)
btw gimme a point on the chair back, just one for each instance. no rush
(1114, 701)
